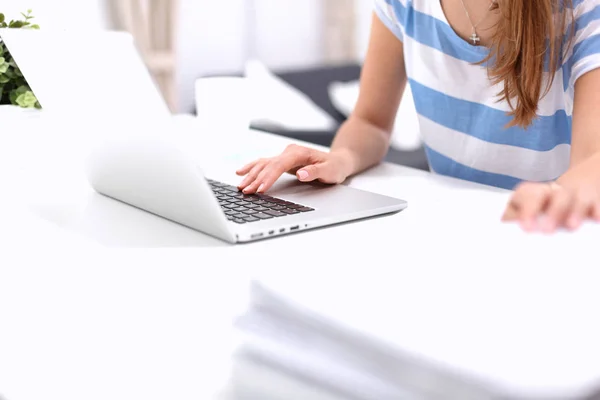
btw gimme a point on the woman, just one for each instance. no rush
(507, 92)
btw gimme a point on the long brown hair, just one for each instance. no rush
(529, 37)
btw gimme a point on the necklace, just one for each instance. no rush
(475, 38)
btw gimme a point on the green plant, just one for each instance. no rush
(14, 89)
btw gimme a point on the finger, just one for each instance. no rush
(325, 172)
(309, 173)
(582, 208)
(269, 176)
(253, 187)
(596, 212)
(251, 176)
(559, 207)
(526, 204)
(246, 168)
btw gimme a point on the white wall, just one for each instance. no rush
(214, 36)
(217, 37)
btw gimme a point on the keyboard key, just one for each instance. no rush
(243, 208)
(263, 216)
(275, 213)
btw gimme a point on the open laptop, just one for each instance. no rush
(151, 173)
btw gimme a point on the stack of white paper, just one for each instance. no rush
(404, 338)
(339, 360)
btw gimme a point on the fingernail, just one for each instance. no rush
(261, 188)
(302, 175)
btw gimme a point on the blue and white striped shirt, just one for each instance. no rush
(462, 123)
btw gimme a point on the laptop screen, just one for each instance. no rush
(86, 73)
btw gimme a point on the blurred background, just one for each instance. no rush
(313, 49)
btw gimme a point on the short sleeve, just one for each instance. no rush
(586, 44)
(385, 10)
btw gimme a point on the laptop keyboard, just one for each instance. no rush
(242, 208)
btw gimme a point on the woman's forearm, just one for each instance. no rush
(361, 143)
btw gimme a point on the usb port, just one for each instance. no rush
(271, 232)
(282, 230)
(257, 235)
(295, 228)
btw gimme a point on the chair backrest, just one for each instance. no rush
(152, 23)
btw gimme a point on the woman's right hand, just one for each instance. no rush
(307, 164)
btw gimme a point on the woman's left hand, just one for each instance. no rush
(569, 202)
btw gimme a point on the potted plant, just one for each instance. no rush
(15, 92)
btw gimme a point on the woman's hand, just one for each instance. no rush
(307, 164)
(545, 207)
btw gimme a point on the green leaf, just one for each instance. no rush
(3, 66)
(21, 90)
(35, 26)
(11, 74)
(3, 25)
(4, 79)
(13, 97)
(29, 11)
(27, 100)
(16, 24)
(2, 18)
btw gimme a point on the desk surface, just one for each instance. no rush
(96, 294)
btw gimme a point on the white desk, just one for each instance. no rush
(99, 300)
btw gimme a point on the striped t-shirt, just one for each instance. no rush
(462, 124)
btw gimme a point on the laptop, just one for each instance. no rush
(152, 173)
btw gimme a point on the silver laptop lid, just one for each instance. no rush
(96, 73)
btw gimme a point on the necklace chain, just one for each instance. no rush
(475, 38)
